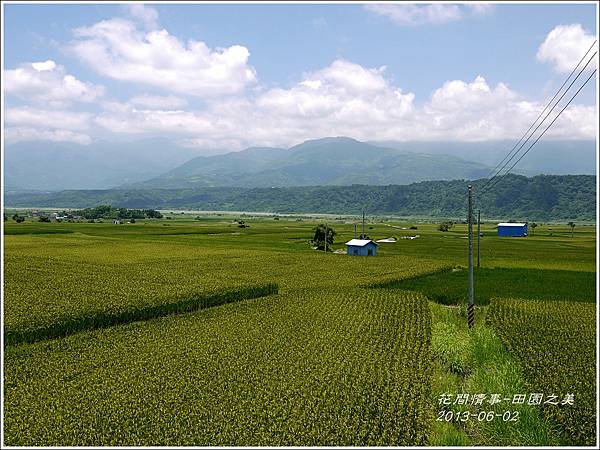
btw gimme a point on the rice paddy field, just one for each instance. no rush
(194, 331)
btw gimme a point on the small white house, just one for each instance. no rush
(361, 247)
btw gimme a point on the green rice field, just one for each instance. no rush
(194, 331)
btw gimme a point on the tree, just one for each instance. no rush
(45, 219)
(572, 225)
(533, 225)
(318, 240)
(445, 226)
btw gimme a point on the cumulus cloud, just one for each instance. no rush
(47, 82)
(47, 119)
(435, 13)
(158, 101)
(146, 15)
(347, 99)
(564, 46)
(341, 99)
(117, 49)
(128, 119)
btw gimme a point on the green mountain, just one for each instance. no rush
(543, 197)
(550, 157)
(330, 161)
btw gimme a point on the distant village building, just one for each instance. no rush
(361, 247)
(512, 229)
(116, 222)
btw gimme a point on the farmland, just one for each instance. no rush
(309, 349)
(555, 342)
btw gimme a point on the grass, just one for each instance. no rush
(448, 287)
(475, 361)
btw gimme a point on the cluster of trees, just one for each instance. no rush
(108, 212)
(543, 197)
(445, 226)
(321, 235)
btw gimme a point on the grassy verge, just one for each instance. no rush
(106, 319)
(448, 286)
(476, 362)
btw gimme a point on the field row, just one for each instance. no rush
(448, 286)
(343, 367)
(98, 278)
(555, 343)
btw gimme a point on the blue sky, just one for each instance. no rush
(279, 74)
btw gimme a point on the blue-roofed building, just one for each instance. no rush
(512, 229)
(361, 247)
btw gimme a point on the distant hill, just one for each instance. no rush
(160, 163)
(552, 197)
(329, 161)
(550, 157)
(52, 166)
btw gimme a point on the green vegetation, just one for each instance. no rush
(555, 343)
(449, 287)
(327, 360)
(337, 367)
(543, 197)
(65, 325)
(476, 362)
(445, 226)
(108, 212)
(322, 235)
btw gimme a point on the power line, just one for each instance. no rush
(543, 132)
(545, 117)
(540, 115)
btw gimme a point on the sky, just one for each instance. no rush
(230, 76)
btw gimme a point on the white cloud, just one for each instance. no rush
(158, 101)
(346, 99)
(176, 122)
(435, 13)
(46, 65)
(46, 82)
(17, 134)
(147, 15)
(117, 49)
(565, 45)
(481, 9)
(47, 119)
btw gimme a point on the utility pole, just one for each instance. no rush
(355, 231)
(325, 237)
(470, 311)
(478, 238)
(363, 226)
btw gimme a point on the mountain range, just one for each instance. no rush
(161, 164)
(337, 161)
